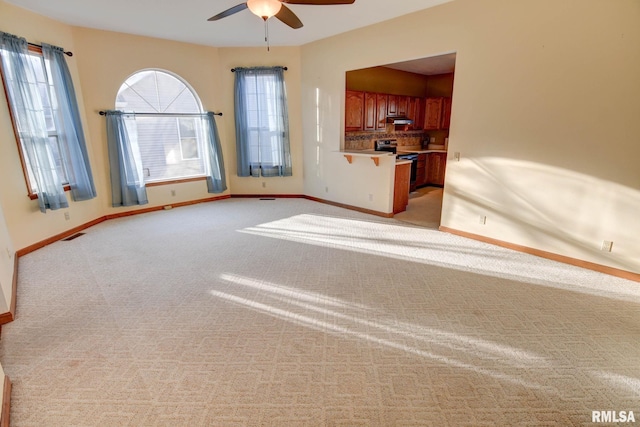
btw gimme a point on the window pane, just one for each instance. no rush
(170, 145)
(162, 151)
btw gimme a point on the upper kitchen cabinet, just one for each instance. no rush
(433, 113)
(381, 108)
(437, 113)
(392, 105)
(354, 111)
(415, 111)
(446, 113)
(370, 111)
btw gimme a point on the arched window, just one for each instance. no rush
(167, 127)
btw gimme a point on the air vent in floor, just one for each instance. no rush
(73, 236)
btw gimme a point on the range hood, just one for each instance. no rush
(399, 120)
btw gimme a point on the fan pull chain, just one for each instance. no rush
(266, 33)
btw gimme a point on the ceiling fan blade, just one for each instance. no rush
(318, 2)
(287, 16)
(228, 12)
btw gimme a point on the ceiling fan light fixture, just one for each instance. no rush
(264, 8)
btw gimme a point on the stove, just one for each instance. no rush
(389, 145)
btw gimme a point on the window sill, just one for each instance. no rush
(34, 196)
(175, 181)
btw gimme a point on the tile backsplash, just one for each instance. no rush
(367, 140)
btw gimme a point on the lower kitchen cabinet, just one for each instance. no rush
(401, 187)
(435, 168)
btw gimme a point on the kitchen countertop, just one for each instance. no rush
(365, 153)
(420, 151)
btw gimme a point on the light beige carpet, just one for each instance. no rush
(293, 313)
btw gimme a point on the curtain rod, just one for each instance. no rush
(233, 70)
(40, 46)
(104, 113)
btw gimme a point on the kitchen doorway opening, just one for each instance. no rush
(409, 103)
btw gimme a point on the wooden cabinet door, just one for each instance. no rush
(370, 111)
(381, 101)
(392, 105)
(433, 113)
(414, 112)
(354, 110)
(401, 187)
(403, 105)
(446, 113)
(436, 168)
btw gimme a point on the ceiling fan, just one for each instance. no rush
(265, 9)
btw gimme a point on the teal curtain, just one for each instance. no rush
(29, 114)
(69, 126)
(216, 181)
(127, 180)
(262, 122)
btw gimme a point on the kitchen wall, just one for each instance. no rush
(440, 85)
(387, 80)
(547, 139)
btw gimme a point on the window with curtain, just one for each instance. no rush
(170, 141)
(159, 132)
(262, 122)
(47, 122)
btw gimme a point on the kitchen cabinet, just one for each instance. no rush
(421, 170)
(414, 111)
(403, 105)
(401, 187)
(354, 111)
(437, 113)
(392, 105)
(433, 113)
(446, 113)
(381, 106)
(435, 168)
(370, 111)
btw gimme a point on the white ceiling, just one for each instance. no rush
(186, 20)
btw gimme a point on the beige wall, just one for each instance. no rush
(250, 57)
(26, 223)
(102, 61)
(545, 116)
(7, 255)
(105, 60)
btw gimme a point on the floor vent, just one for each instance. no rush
(269, 198)
(75, 236)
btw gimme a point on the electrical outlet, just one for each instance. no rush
(456, 156)
(173, 193)
(326, 189)
(67, 216)
(264, 184)
(482, 220)
(606, 246)
(370, 197)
